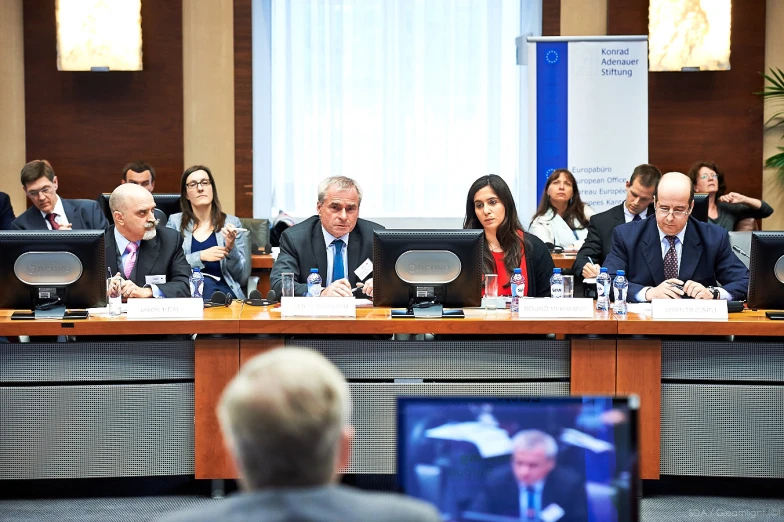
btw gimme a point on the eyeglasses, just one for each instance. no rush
(203, 183)
(34, 193)
(676, 213)
(709, 176)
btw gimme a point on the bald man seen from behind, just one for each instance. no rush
(149, 258)
(676, 249)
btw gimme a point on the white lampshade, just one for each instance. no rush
(99, 34)
(689, 35)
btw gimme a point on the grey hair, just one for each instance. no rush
(340, 182)
(283, 416)
(119, 198)
(532, 439)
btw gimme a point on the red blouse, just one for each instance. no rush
(504, 288)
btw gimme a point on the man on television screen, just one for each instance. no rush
(51, 212)
(141, 173)
(533, 487)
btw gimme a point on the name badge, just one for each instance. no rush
(542, 307)
(171, 308)
(364, 270)
(689, 309)
(318, 307)
(155, 279)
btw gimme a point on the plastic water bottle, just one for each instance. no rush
(518, 289)
(621, 287)
(556, 284)
(197, 284)
(314, 283)
(603, 290)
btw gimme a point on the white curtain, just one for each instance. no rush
(414, 99)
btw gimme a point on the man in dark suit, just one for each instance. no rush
(638, 205)
(533, 484)
(51, 212)
(285, 421)
(676, 249)
(141, 173)
(6, 212)
(335, 241)
(149, 258)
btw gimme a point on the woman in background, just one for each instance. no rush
(726, 210)
(561, 218)
(491, 207)
(210, 239)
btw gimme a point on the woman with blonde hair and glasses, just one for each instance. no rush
(211, 241)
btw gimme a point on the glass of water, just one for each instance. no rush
(114, 295)
(568, 286)
(491, 291)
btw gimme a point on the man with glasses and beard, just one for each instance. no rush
(150, 259)
(675, 256)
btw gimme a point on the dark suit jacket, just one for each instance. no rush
(161, 255)
(6, 212)
(599, 240)
(539, 264)
(706, 258)
(302, 248)
(326, 504)
(562, 486)
(84, 214)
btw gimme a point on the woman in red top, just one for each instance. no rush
(490, 206)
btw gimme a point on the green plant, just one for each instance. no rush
(774, 90)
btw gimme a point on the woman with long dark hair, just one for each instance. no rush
(491, 207)
(211, 241)
(561, 218)
(726, 209)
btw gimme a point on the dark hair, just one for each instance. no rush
(647, 174)
(138, 167)
(510, 231)
(36, 170)
(217, 215)
(576, 207)
(694, 172)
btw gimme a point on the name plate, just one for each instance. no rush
(546, 308)
(165, 308)
(689, 309)
(318, 307)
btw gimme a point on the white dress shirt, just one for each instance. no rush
(628, 216)
(328, 239)
(58, 209)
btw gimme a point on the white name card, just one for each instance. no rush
(543, 307)
(318, 307)
(165, 308)
(689, 309)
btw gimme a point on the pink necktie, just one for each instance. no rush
(130, 261)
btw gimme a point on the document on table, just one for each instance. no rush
(640, 308)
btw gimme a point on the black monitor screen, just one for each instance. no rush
(700, 209)
(437, 266)
(503, 459)
(59, 268)
(167, 203)
(766, 270)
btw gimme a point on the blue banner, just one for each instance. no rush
(552, 71)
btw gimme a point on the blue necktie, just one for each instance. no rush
(338, 272)
(636, 217)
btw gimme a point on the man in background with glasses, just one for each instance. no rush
(51, 212)
(675, 256)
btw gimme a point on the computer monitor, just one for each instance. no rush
(167, 203)
(426, 271)
(46, 271)
(766, 277)
(700, 209)
(458, 454)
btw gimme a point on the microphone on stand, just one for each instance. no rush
(740, 251)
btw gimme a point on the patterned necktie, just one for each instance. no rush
(636, 218)
(130, 261)
(338, 272)
(51, 219)
(671, 260)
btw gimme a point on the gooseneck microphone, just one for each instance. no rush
(740, 251)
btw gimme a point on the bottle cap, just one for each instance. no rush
(518, 270)
(556, 270)
(196, 269)
(620, 273)
(314, 270)
(603, 270)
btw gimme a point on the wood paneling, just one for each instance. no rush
(243, 109)
(592, 367)
(707, 115)
(583, 17)
(551, 17)
(88, 125)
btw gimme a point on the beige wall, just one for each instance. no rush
(584, 17)
(772, 188)
(208, 90)
(12, 123)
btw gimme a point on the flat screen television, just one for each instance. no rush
(167, 203)
(766, 270)
(47, 271)
(505, 459)
(425, 271)
(700, 208)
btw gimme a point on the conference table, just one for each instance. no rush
(710, 392)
